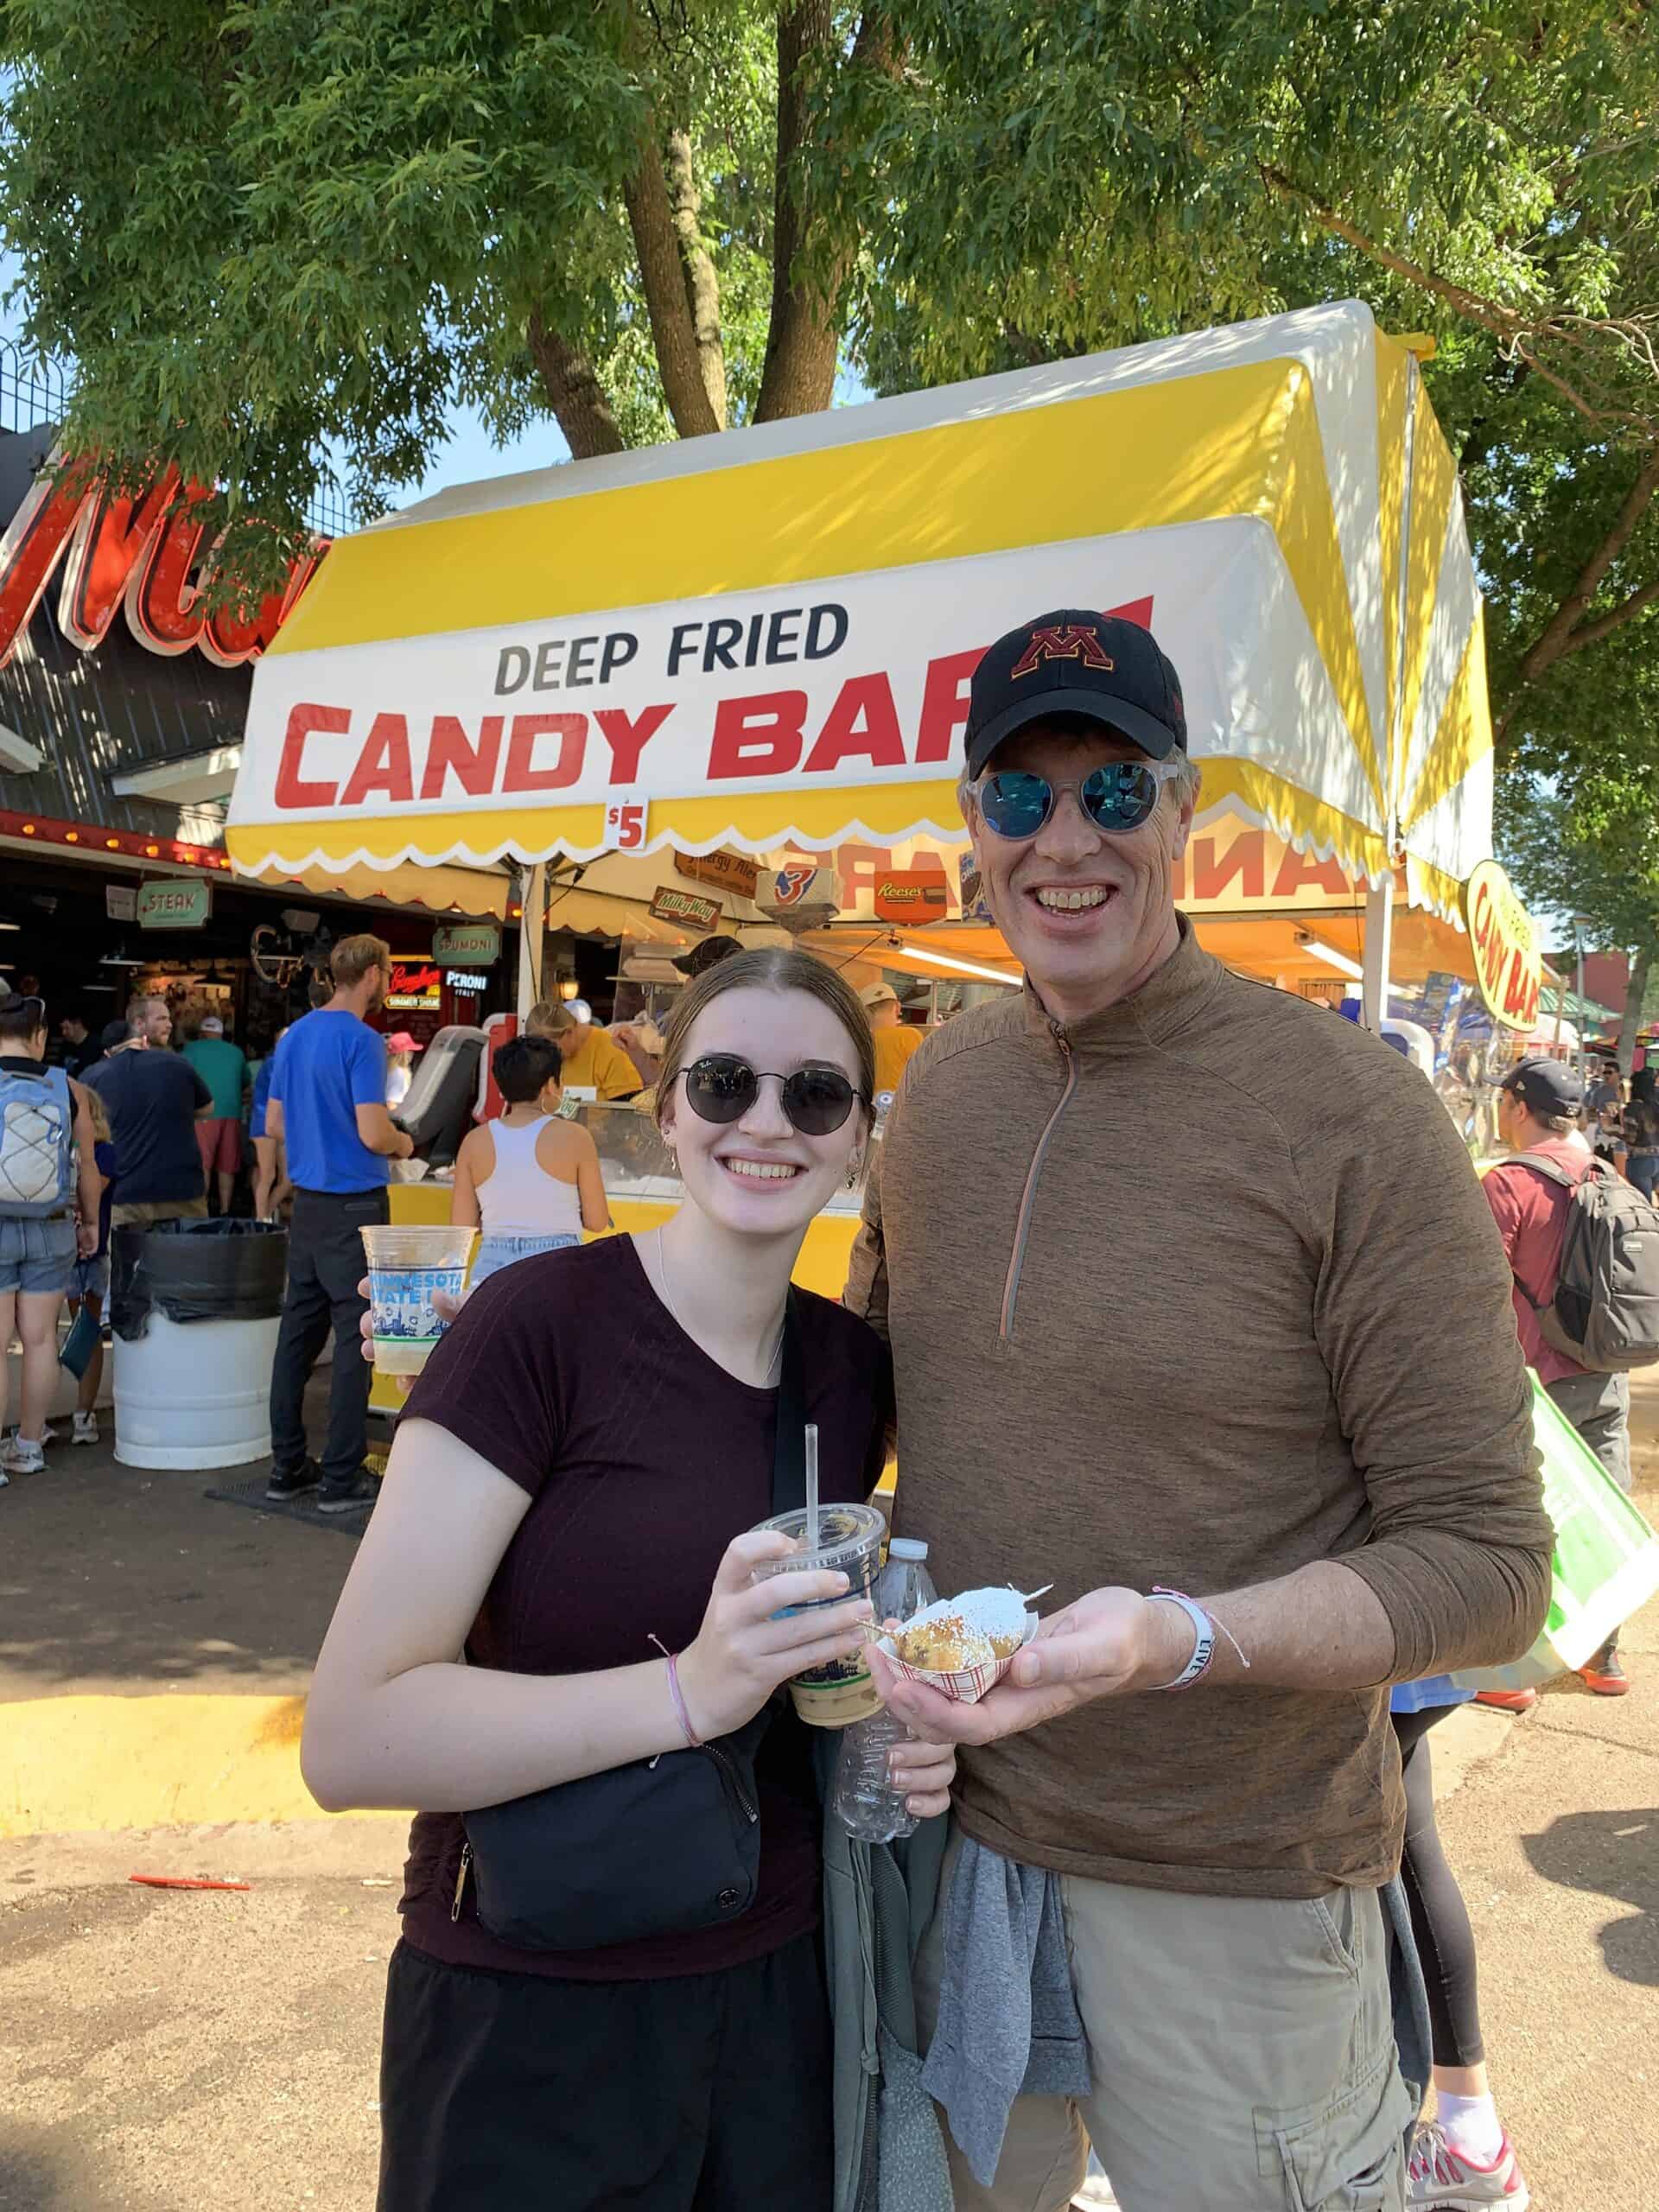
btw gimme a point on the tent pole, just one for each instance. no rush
(1379, 936)
(532, 935)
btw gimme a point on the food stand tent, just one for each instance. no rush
(765, 638)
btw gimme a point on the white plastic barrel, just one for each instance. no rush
(194, 1393)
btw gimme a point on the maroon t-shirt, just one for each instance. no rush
(642, 1458)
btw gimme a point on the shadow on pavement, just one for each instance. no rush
(1611, 1855)
(131, 1578)
(33, 2180)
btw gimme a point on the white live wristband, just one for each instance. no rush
(1203, 1648)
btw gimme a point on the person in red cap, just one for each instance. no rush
(401, 1048)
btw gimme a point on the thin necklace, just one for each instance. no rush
(772, 1365)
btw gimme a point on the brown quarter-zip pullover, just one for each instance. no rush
(1193, 1293)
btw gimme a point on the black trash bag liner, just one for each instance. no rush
(195, 1271)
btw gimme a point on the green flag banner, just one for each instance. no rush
(1607, 1557)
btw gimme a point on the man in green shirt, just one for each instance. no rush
(223, 1067)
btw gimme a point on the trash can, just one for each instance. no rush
(194, 1309)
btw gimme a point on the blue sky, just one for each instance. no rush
(471, 454)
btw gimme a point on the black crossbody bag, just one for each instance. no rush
(653, 1847)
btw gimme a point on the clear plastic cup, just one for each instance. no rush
(405, 1267)
(850, 1540)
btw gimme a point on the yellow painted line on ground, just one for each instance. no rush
(74, 1764)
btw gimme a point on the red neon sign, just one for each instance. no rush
(133, 551)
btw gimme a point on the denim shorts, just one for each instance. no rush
(495, 1253)
(37, 1255)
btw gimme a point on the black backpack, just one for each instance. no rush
(1606, 1311)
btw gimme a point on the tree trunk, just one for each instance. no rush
(702, 282)
(658, 241)
(574, 394)
(798, 377)
(1635, 991)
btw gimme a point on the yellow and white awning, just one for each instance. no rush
(764, 639)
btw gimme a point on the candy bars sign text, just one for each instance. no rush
(399, 758)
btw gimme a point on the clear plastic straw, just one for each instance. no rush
(813, 1487)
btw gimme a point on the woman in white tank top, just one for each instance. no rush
(531, 1181)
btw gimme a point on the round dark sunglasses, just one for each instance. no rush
(722, 1088)
(1118, 797)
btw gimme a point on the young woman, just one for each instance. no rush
(401, 1049)
(530, 1180)
(1462, 2156)
(576, 1476)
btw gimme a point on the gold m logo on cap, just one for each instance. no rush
(1062, 641)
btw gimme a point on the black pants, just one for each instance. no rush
(326, 1263)
(1439, 1919)
(516, 2093)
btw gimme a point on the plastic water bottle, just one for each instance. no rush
(866, 1802)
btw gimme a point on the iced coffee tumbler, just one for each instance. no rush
(849, 1541)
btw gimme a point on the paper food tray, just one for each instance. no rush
(963, 1685)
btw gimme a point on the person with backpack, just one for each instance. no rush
(49, 1213)
(1583, 1247)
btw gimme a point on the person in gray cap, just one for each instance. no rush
(1539, 1102)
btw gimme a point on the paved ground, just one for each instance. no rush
(167, 2049)
(119, 1580)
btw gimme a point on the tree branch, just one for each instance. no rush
(701, 280)
(1503, 321)
(574, 392)
(1566, 632)
(1562, 633)
(799, 374)
(1592, 633)
(1519, 334)
(656, 241)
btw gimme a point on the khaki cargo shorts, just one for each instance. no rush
(1242, 2050)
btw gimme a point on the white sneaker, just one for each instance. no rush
(22, 1458)
(85, 1429)
(1450, 2181)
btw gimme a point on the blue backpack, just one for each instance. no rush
(37, 1136)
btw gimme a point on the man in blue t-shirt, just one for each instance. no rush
(328, 1102)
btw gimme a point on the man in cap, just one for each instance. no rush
(706, 953)
(223, 1067)
(1252, 1401)
(1539, 1104)
(896, 1040)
